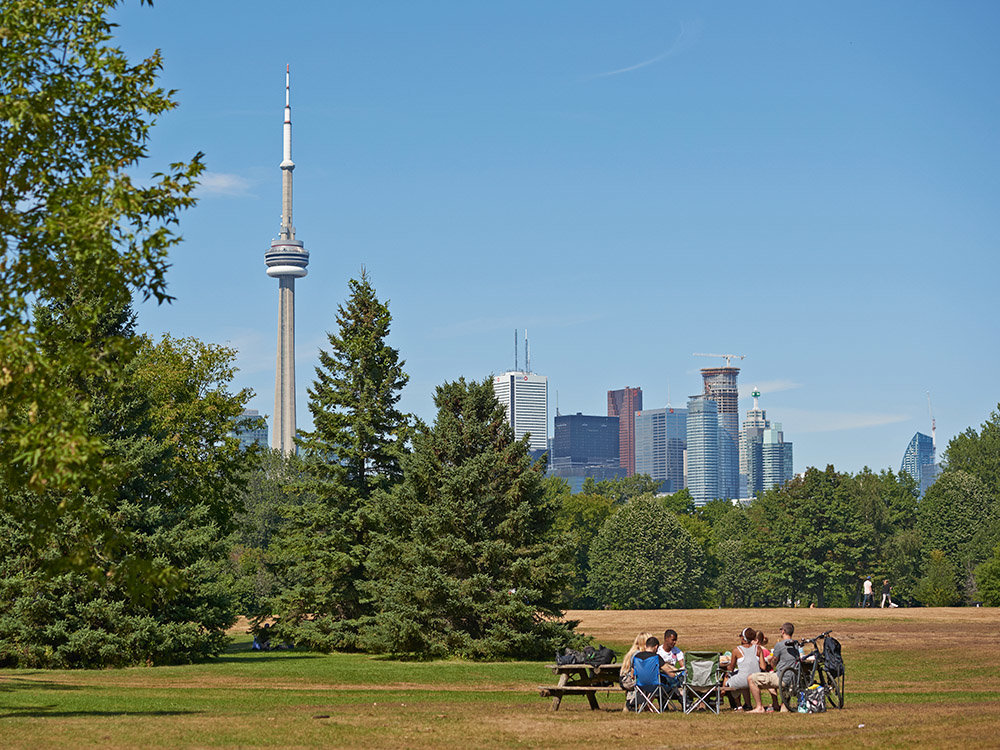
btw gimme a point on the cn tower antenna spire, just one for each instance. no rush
(287, 165)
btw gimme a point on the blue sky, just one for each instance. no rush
(813, 185)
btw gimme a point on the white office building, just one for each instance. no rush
(525, 396)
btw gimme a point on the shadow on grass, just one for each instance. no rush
(46, 712)
(10, 684)
(242, 657)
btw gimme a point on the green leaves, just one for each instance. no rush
(75, 116)
(643, 558)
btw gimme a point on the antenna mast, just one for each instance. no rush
(515, 350)
(527, 353)
(933, 425)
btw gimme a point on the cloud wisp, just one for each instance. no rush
(684, 41)
(221, 183)
(768, 386)
(798, 421)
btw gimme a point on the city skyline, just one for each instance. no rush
(835, 166)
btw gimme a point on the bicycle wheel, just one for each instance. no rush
(834, 687)
(789, 687)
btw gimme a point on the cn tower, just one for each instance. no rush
(286, 261)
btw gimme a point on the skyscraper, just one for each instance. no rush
(660, 442)
(703, 449)
(720, 387)
(585, 446)
(776, 457)
(624, 404)
(918, 460)
(251, 429)
(525, 396)
(286, 261)
(585, 440)
(765, 457)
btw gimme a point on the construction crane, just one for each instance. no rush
(727, 357)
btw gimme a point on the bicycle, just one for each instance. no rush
(810, 669)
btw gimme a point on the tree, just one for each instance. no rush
(642, 558)
(937, 587)
(158, 525)
(267, 496)
(579, 517)
(75, 116)
(814, 536)
(466, 561)
(988, 579)
(959, 517)
(352, 455)
(978, 453)
(621, 490)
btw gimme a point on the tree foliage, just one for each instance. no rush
(351, 456)
(466, 561)
(158, 525)
(75, 117)
(978, 453)
(937, 586)
(642, 558)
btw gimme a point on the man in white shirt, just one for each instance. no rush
(673, 659)
(869, 594)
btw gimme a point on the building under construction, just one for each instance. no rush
(720, 387)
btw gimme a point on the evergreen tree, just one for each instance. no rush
(352, 455)
(643, 558)
(467, 562)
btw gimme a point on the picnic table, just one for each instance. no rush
(581, 679)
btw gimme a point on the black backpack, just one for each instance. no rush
(570, 657)
(831, 656)
(602, 655)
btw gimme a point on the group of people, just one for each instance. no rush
(751, 668)
(868, 589)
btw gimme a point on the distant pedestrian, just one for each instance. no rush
(869, 593)
(886, 599)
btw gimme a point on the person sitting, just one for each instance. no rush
(673, 660)
(785, 654)
(746, 661)
(262, 639)
(627, 673)
(647, 666)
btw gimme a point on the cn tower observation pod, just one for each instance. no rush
(287, 258)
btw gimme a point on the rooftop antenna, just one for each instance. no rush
(933, 425)
(527, 352)
(515, 350)
(557, 405)
(668, 394)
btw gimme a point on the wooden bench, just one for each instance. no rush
(581, 679)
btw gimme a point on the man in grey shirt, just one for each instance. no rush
(785, 654)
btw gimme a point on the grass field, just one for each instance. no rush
(923, 677)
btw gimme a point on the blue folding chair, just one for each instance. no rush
(648, 689)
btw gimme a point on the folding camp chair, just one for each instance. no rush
(703, 683)
(648, 690)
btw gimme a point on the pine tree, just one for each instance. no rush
(352, 454)
(466, 562)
